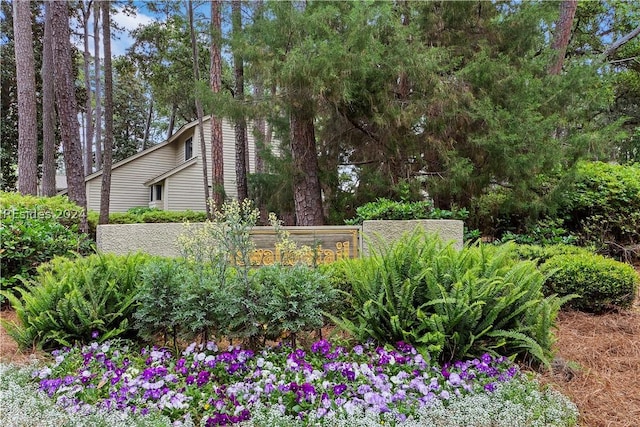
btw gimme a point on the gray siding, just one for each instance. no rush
(185, 190)
(127, 181)
(229, 153)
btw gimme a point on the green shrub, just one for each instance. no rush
(603, 284)
(541, 254)
(59, 208)
(71, 300)
(292, 299)
(451, 304)
(146, 215)
(214, 291)
(34, 230)
(389, 209)
(210, 301)
(602, 204)
(544, 232)
(160, 286)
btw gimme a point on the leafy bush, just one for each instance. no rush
(541, 254)
(214, 291)
(603, 284)
(451, 303)
(77, 299)
(59, 208)
(160, 285)
(544, 232)
(389, 209)
(34, 230)
(292, 299)
(602, 204)
(146, 215)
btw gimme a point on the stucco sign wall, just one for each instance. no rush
(327, 244)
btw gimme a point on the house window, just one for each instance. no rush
(188, 149)
(156, 192)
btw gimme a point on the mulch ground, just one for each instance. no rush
(597, 365)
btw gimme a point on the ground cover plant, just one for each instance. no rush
(323, 385)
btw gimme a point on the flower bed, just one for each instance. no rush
(327, 385)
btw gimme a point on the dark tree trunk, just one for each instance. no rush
(200, 113)
(562, 34)
(307, 196)
(27, 110)
(49, 146)
(172, 121)
(240, 122)
(107, 155)
(98, 84)
(217, 159)
(88, 136)
(147, 126)
(67, 106)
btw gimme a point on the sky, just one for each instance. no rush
(122, 40)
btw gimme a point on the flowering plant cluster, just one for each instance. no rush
(211, 386)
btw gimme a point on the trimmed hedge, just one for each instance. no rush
(147, 215)
(389, 209)
(603, 284)
(541, 254)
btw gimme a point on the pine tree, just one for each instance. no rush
(27, 110)
(67, 105)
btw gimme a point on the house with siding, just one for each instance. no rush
(169, 175)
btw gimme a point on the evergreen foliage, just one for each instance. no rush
(35, 230)
(292, 299)
(451, 304)
(540, 254)
(602, 284)
(157, 294)
(141, 215)
(389, 209)
(77, 300)
(215, 292)
(602, 205)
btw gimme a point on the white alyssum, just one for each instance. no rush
(22, 404)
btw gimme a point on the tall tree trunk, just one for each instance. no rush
(27, 110)
(562, 34)
(67, 106)
(147, 126)
(107, 155)
(217, 158)
(242, 164)
(200, 113)
(88, 136)
(172, 120)
(49, 146)
(98, 84)
(260, 124)
(307, 196)
(403, 78)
